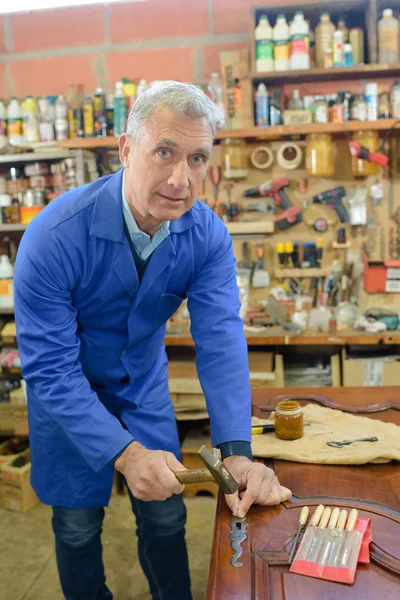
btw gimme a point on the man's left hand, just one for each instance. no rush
(257, 485)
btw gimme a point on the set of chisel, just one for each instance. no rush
(329, 540)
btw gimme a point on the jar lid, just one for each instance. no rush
(288, 407)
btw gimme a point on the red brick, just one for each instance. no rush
(233, 16)
(61, 28)
(3, 49)
(152, 64)
(52, 75)
(3, 92)
(155, 19)
(211, 56)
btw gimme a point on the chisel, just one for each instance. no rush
(258, 429)
(347, 545)
(338, 544)
(310, 531)
(329, 538)
(318, 537)
(302, 521)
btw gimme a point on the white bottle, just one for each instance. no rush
(388, 33)
(299, 42)
(61, 118)
(264, 46)
(142, 87)
(214, 87)
(3, 125)
(395, 99)
(6, 282)
(281, 44)
(14, 123)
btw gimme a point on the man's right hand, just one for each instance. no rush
(150, 473)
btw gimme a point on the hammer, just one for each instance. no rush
(216, 471)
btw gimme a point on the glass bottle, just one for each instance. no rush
(320, 156)
(289, 420)
(234, 158)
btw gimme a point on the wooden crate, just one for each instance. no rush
(16, 489)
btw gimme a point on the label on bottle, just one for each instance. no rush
(282, 50)
(388, 40)
(338, 54)
(14, 127)
(299, 44)
(6, 287)
(264, 50)
(321, 113)
(88, 128)
(262, 111)
(3, 127)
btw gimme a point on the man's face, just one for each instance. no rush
(164, 170)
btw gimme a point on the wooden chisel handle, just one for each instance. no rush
(194, 476)
(317, 515)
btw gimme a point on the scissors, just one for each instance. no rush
(348, 442)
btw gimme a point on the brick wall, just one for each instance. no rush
(41, 52)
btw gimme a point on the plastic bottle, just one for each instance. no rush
(388, 34)
(281, 44)
(264, 46)
(130, 94)
(341, 26)
(275, 112)
(295, 102)
(88, 125)
(119, 109)
(338, 51)
(14, 123)
(348, 55)
(313, 58)
(299, 42)
(372, 99)
(141, 88)
(395, 99)
(110, 113)
(3, 125)
(6, 282)
(323, 38)
(262, 106)
(46, 129)
(61, 118)
(356, 37)
(214, 87)
(99, 113)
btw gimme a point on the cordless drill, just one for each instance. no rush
(333, 198)
(291, 214)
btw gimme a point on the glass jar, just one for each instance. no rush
(234, 158)
(370, 140)
(320, 110)
(289, 420)
(320, 157)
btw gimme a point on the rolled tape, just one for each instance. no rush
(267, 152)
(296, 156)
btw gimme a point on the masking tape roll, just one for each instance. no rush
(294, 156)
(265, 151)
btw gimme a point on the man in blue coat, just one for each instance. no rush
(98, 274)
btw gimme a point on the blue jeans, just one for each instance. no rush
(161, 547)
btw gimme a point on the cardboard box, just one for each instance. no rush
(237, 89)
(6, 458)
(261, 365)
(20, 420)
(16, 489)
(6, 418)
(370, 370)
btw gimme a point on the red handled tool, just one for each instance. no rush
(359, 151)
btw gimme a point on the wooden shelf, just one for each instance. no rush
(6, 311)
(89, 143)
(251, 227)
(12, 227)
(55, 154)
(340, 73)
(301, 273)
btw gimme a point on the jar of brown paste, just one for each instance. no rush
(289, 420)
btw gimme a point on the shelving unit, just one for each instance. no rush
(12, 228)
(338, 73)
(33, 156)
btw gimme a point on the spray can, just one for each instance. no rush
(61, 119)
(14, 123)
(372, 99)
(130, 95)
(99, 114)
(46, 128)
(119, 109)
(110, 113)
(275, 109)
(262, 106)
(88, 126)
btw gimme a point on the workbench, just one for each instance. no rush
(373, 489)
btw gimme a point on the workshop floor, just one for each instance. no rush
(27, 562)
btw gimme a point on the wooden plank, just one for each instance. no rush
(301, 273)
(89, 143)
(244, 227)
(319, 74)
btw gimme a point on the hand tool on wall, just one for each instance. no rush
(348, 442)
(233, 209)
(238, 535)
(216, 471)
(302, 522)
(326, 548)
(333, 198)
(318, 535)
(358, 151)
(245, 264)
(263, 207)
(289, 249)
(280, 249)
(319, 250)
(291, 214)
(214, 175)
(260, 275)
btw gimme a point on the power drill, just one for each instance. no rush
(291, 214)
(333, 198)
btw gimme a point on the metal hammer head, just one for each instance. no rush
(218, 470)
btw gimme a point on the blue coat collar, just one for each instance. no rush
(107, 221)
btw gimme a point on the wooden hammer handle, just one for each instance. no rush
(194, 476)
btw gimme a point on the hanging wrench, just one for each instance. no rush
(237, 535)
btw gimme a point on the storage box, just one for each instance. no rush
(6, 418)
(237, 89)
(297, 117)
(261, 369)
(20, 420)
(381, 277)
(16, 489)
(370, 370)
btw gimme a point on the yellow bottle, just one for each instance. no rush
(320, 156)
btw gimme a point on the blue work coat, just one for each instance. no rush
(91, 338)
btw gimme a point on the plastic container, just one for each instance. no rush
(323, 38)
(214, 87)
(281, 44)
(130, 95)
(384, 106)
(299, 42)
(372, 100)
(388, 38)
(3, 125)
(14, 123)
(120, 107)
(360, 167)
(61, 118)
(275, 112)
(30, 120)
(6, 282)
(262, 106)
(348, 55)
(295, 102)
(341, 26)
(289, 420)
(395, 99)
(99, 113)
(338, 49)
(320, 155)
(29, 212)
(264, 46)
(356, 37)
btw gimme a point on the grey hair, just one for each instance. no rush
(183, 98)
